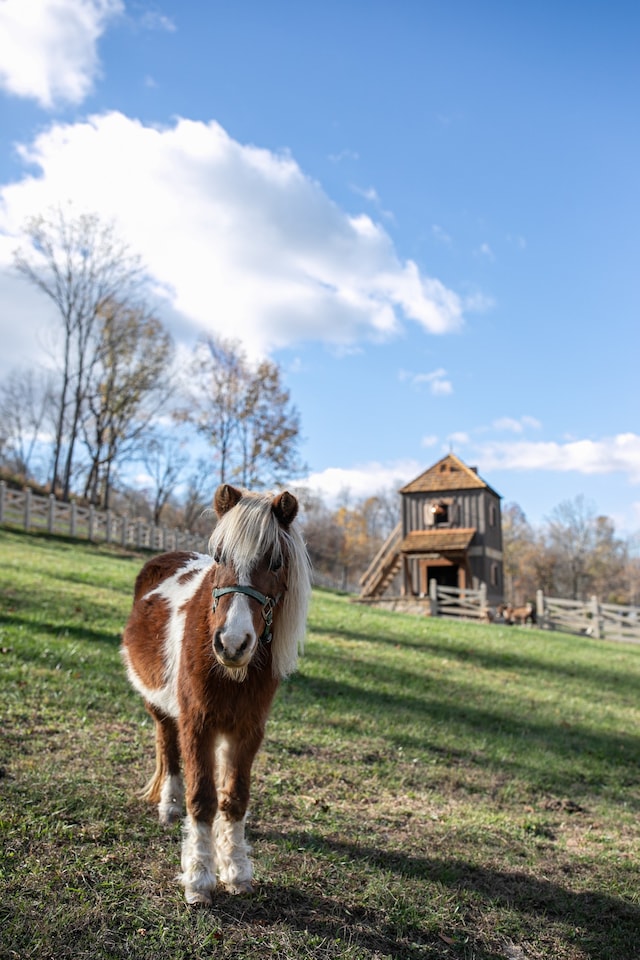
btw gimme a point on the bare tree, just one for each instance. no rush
(24, 402)
(268, 429)
(165, 460)
(214, 391)
(244, 412)
(199, 494)
(127, 386)
(571, 534)
(79, 263)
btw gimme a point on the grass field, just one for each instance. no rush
(427, 789)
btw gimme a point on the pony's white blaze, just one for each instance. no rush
(237, 637)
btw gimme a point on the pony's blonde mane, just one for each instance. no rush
(247, 533)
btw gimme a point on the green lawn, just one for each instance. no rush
(427, 789)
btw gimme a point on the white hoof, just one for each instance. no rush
(198, 898)
(239, 889)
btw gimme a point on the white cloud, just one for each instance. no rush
(618, 454)
(441, 235)
(512, 425)
(48, 47)
(363, 480)
(485, 251)
(532, 422)
(153, 20)
(459, 438)
(240, 240)
(437, 381)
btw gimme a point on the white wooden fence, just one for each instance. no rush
(32, 512)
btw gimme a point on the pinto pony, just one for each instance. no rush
(208, 640)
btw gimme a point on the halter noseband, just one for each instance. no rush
(268, 605)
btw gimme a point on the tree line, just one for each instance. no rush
(574, 554)
(116, 394)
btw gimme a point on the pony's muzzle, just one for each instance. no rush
(232, 650)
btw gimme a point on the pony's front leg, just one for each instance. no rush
(233, 773)
(198, 856)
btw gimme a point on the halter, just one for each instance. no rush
(268, 605)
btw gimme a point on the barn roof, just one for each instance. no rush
(438, 541)
(447, 474)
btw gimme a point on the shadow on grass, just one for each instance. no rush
(606, 926)
(336, 921)
(59, 630)
(562, 756)
(507, 659)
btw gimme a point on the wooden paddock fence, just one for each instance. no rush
(603, 621)
(32, 512)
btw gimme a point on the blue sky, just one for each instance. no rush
(426, 212)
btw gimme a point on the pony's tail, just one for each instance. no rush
(153, 789)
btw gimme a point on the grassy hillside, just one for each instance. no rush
(427, 789)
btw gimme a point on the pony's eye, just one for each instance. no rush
(276, 564)
(217, 557)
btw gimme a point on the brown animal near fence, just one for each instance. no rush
(512, 615)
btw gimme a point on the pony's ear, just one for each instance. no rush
(225, 497)
(285, 507)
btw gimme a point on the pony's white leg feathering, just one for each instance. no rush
(198, 875)
(232, 853)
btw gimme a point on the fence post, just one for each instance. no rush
(27, 509)
(107, 526)
(125, 527)
(73, 519)
(51, 514)
(92, 514)
(433, 597)
(3, 487)
(541, 617)
(595, 618)
(483, 600)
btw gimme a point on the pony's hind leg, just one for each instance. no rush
(165, 787)
(233, 772)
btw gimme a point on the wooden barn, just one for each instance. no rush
(450, 532)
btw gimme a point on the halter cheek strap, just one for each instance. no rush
(268, 605)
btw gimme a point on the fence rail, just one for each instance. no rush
(604, 621)
(33, 512)
(457, 602)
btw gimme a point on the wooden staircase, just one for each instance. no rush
(383, 567)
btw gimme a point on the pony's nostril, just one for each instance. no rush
(218, 645)
(243, 646)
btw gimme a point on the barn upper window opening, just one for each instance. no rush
(440, 512)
